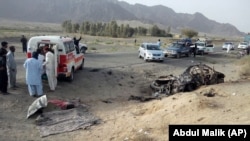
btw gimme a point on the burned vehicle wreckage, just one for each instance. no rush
(192, 78)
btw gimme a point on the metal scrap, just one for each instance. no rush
(192, 78)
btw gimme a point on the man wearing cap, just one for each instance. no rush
(3, 68)
(24, 43)
(11, 68)
(33, 75)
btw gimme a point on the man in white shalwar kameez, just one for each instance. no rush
(33, 75)
(50, 68)
(228, 48)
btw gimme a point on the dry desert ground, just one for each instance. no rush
(112, 73)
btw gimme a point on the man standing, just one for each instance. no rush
(33, 75)
(50, 68)
(194, 49)
(24, 43)
(76, 41)
(228, 47)
(3, 68)
(11, 67)
(159, 43)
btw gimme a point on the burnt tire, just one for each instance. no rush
(144, 58)
(202, 53)
(175, 87)
(178, 55)
(155, 86)
(139, 56)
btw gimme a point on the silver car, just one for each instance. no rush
(243, 45)
(150, 52)
(226, 44)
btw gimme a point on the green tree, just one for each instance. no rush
(189, 33)
(93, 30)
(86, 27)
(75, 27)
(141, 31)
(156, 31)
(67, 26)
(113, 29)
(168, 30)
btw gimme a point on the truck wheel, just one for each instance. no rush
(82, 65)
(139, 56)
(178, 55)
(145, 59)
(71, 77)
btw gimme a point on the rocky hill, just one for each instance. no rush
(57, 11)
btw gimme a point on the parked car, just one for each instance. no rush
(204, 47)
(150, 51)
(177, 50)
(187, 41)
(83, 48)
(243, 45)
(225, 45)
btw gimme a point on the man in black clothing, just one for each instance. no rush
(3, 68)
(24, 43)
(194, 49)
(76, 42)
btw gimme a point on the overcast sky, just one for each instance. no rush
(235, 12)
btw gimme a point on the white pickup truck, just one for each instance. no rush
(204, 47)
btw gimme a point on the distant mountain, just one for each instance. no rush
(57, 11)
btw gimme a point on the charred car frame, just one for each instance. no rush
(192, 78)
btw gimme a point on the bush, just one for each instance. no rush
(143, 137)
(245, 69)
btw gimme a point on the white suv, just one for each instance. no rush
(150, 51)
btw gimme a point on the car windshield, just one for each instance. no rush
(227, 43)
(176, 45)
(200, 44)
(243, 43)
(153, 47)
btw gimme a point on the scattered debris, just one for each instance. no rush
(143, 99)
(94, 70)
(192, 78)
(110, 72)
(107, 101)
(37, 105)
(56, 122)
(209, 93)
(73, 116)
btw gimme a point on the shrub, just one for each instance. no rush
(143, 137)
(245, 69)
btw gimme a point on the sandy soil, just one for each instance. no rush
(130, 120)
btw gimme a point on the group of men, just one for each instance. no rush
(41, 61)
(7, 68)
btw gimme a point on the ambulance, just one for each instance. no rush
(68, 58)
